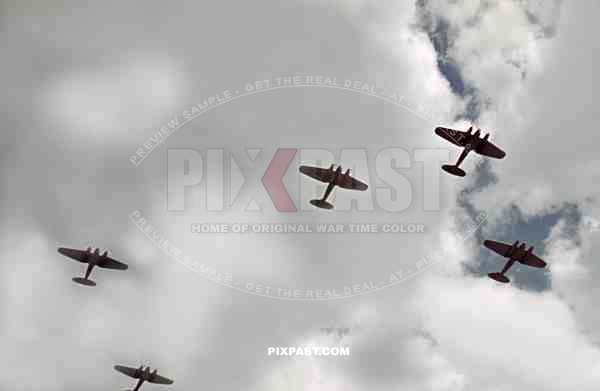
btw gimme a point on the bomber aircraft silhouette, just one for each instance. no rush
(144, 375)
(92, 258)
(470, 142)
(338, 333)
(333, 178)
(514, 253)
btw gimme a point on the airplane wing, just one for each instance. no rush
(533, 261)
(131, 372)
(78, 255)
(497, 247)
(320, 174)
(157, 379)
(486, 148)
(110, 263)
(347, 182)
(456, 137)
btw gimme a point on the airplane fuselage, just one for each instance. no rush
(93, 259)
(144, 376)
(516, 251)
(513, 256)
(336, 178)
(473, 141)
(139, 384)
(338, 175)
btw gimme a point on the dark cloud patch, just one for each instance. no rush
(532, 231)
(535, 229)
(441, 34)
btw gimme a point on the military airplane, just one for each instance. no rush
(333, 178)
(144, 375)
(338, 333)
(514, 253)
(92, 258)
(470, 142)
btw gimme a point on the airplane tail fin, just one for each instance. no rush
(454, 170)
(499, 277)
(321, 204)
(84, 281)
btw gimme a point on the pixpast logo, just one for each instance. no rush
(393, 193)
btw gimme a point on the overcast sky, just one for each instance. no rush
(86, 85)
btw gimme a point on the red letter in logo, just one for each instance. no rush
(272, 180)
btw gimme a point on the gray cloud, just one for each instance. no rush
(88, 85)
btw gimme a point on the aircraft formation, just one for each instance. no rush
(469, 141)
(334, 178)
(93, 257)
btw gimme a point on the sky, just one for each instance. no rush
(87, 84)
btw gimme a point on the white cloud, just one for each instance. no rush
(438, 331)
(537, 115)
(113, 103)
(507, 338)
